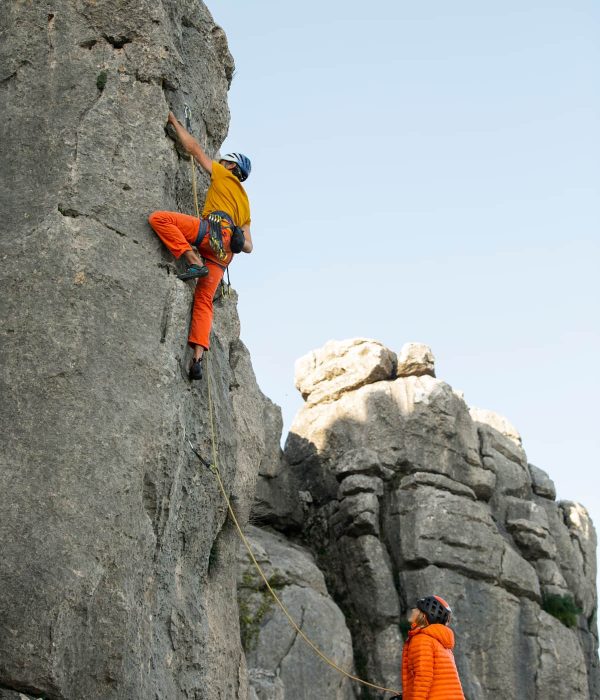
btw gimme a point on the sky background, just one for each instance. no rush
(429, 172)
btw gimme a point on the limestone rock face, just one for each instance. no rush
(280, 665)
(415, 359)
(499, 423)
(405, 492)
(325, 374)
(117, 574)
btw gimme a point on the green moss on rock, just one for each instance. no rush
(563, 608)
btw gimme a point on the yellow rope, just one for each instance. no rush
(215, 469)
(194, 188)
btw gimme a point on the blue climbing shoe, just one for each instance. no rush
(193, 272)
(196, 369)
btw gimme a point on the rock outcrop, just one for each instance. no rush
(117, 574)
(401, 491)
(119, 564)
(280, 663)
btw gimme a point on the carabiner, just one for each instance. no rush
(187, 113)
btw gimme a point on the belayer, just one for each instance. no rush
(209, 243)
(428, 667)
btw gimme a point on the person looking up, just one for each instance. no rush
(209, 243)
(428, 667)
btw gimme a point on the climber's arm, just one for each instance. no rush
(190, 144)
(247, 247)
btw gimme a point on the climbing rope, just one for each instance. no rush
(214, 467)
(194, 188)
(187, 115)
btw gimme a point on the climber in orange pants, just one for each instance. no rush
(179, 232)
(209, 243)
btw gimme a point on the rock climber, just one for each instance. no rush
(428, 667)
(209, 243)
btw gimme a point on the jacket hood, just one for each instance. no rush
(441, 633)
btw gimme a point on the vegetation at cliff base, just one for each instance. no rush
(254, 605)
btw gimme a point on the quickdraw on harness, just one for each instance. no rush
(213, 225)
(215, 235)
(214, 468)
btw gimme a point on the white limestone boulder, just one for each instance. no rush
(341, 366)
(415, 359)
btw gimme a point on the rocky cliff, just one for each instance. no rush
(117, 574)
(119, 563)
(400, 490)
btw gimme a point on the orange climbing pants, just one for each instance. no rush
(178, 232)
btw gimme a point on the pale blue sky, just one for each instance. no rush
(429, 172)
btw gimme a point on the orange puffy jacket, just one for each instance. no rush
(428, 668)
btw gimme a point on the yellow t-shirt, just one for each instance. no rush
(227, 194)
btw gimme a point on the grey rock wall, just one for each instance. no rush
(281, 665)
(118, 566)
(401, 491)
(117, 574)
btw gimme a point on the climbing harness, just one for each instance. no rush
(214, 468)
(215, 236)
(213, 225)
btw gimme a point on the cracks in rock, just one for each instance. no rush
(149, 496)
(148, 79)
(464, 570)
(233, 358)
(51, 30)
(564, 516)
(450, 486)
(74, 372)
(169, 267)
(538, 658)
(88, 44)
(22, 688)
(8, 78)
(481, 449)
(213, 556)
(168, 86)
(100, 84)
(574, 536)
(166, 314)
(188, 23)
(454, 543)
(576, 542)
(293, 641)
(12, 76)
(74, 214)
(118, 42)
(65, 211)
